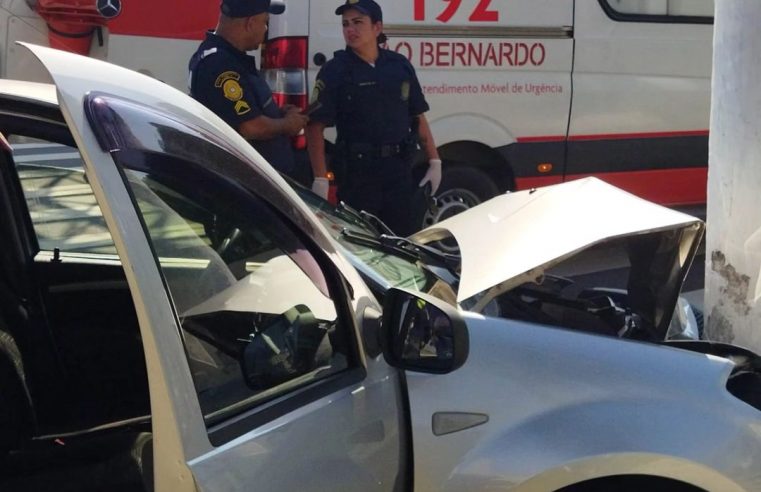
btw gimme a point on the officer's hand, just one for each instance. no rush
(294, 121)
(320, 187)
(433, 175)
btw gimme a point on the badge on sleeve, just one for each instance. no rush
(228, 83)
(405, 90)
(318, 87)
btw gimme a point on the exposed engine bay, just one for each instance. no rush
(625, 287)
(559, 301)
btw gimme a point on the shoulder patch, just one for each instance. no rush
(232, 90)
(228, 82)
(229, 75)
(405, 90)
(318, 87)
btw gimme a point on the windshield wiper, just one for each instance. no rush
(448, 260)
(349, 213)
(365, 218)
(377, 224)
(404, 247)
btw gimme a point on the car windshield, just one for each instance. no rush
(384, 269)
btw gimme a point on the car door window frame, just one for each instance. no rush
(245, 179)
(19, 118)
(17, 123)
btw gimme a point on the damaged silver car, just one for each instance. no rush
(174, 317)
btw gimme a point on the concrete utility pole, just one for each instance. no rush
(733, 243)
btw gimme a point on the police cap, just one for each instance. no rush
(247, 8)
(367, 7)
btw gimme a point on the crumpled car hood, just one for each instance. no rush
(515, 237)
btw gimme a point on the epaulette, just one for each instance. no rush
(208, 52)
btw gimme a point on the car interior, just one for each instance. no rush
(74, 410)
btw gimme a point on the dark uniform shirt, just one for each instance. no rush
(225, 80)
(373, 108)
(369, 104)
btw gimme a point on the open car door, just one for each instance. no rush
(248, 317)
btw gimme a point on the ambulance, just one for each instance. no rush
(523, 93)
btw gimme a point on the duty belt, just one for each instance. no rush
(368, 151)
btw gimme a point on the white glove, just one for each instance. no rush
(320, 187)
(433, 175)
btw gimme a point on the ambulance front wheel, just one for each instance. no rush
(462, 187)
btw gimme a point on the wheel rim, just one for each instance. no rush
(449, 204)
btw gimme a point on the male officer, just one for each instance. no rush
(225, 79)
(373, 97)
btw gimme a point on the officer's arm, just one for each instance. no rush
(264, 128)
(426, 138)
(316, 148)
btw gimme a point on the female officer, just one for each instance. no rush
(374, 99)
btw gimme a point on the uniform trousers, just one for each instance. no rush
(383, 187)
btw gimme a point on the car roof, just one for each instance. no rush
(29, 91)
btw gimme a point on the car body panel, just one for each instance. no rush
(362, 421)
(559, 400)
(502, 241)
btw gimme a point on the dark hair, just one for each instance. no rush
(382, 38)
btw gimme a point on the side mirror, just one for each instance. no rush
(422, 333)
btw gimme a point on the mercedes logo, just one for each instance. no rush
(109, 8)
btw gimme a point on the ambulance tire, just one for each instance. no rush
(462, 187)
